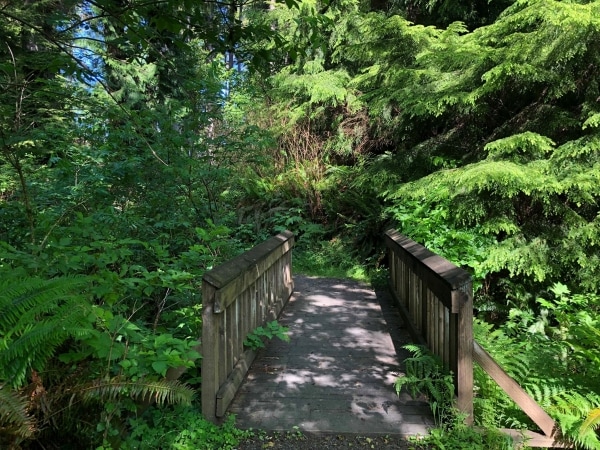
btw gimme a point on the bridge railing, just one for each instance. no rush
(435, 298)
(237, 297)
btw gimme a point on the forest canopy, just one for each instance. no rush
(143, 143)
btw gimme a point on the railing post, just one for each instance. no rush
(210, 352)
(463, 298)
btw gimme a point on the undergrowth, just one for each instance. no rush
(336, 259)
(180, 428)
(554, 356)
(425, 376)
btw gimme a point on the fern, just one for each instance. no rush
(576, 414)
(36, 317)
(591, 422)
(425, 376)
(161, 392)
(26, 298)
(16, 423)
(536, 362)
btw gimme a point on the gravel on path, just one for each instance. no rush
(307, 441)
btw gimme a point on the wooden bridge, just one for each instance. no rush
(433, 296)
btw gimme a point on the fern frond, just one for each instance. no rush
(578, 416)
(37, 316)
(35, 296)
(161, 392)
(15, 419)
(591, 422)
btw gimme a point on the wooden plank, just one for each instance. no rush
(209, 367)
(453, 344)
(227, 391)
(225, 273)
(446, 339)
(239, 273)
(221, 356)
(440, 275)
(514, 391)
(414, 333)
(423, 307)
(439, 335)
(437, 265)
(464, 358)
(237, 297)
(444, 296)
(530, 439)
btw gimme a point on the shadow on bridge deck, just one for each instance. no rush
(336, 374)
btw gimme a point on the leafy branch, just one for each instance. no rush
(255, 338)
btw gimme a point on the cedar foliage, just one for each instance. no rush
(481, 144)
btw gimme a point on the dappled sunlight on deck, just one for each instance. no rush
(337, 372)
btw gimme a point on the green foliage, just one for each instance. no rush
(425, 375)
(459, 436)
(551, 358)
(591, 422)
(255, 339)
(431, 223)
(16, 422)
(443, 12)
(137, 151)
(161, 392)
(37, 317)
(335, 258)
(181, 428)
(110, 360)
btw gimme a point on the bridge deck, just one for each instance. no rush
(336, 374)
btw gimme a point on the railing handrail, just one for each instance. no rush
(444, 276)
(237, 297)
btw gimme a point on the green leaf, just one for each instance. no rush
(160, 367)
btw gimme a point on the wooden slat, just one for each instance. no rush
(516, 392)
(209, 351)
(446, 339)
(221, 355)
(239, 273)
(421, 282)
(438, 301)
(228, 389)
(453, 343)
(439, 274)
(412, 330)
